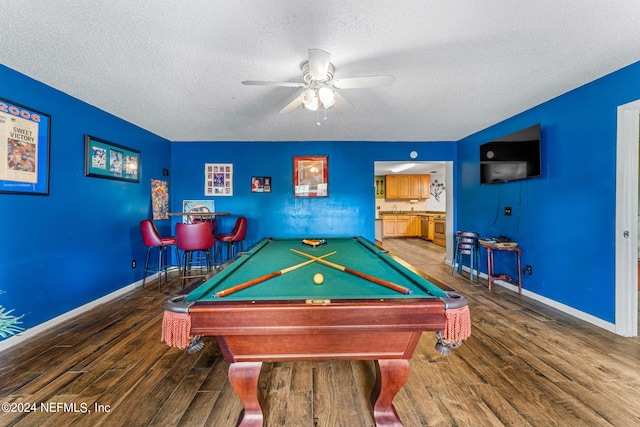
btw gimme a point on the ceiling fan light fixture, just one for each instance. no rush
(327, 97)
(319, 89)
(309, 100)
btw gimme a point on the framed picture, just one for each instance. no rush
(104, 159)
(197, 207)
(261, 184)
(159, 199)
(24, 142)
(218, 179)
(310, 176)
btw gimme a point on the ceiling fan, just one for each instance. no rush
(319, 88)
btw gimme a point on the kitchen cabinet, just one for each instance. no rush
(414, 226)
(389, 226)
(403, 228)
(431, 228)
(420, 186)
(398, 187)
(407, 186)
(400, 225)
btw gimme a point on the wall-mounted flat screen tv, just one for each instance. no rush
(513, 157)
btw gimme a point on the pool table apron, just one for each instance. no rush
(316, 330)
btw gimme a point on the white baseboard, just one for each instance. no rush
(32, 332)
(551, 303)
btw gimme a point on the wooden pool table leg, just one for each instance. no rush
(391, 374)
(243, 377)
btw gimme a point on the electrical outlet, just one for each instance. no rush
(528, 270)
(133, 263)
(507, 210)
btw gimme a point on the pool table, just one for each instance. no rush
(264, 306)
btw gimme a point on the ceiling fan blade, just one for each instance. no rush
(297, 102)
(318, 64)
(341, 103)
(361, 82)
(267, 83)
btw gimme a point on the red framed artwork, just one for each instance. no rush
(310, 176)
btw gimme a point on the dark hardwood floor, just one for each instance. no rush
(524, 365)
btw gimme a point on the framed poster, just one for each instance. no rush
(24, 149)
(160, 199)
(218, 179)
(261, 184)
(310, 176)
(197, 207)
(104, 159)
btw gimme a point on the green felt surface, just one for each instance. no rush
(269, 256)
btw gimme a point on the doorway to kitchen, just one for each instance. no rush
(405, 192)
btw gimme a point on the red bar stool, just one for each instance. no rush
(214, 227)
(152, 239)
(194, 238)
(236, 236)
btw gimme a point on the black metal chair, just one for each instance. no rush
(466, 245)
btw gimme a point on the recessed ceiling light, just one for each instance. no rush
(403, 167)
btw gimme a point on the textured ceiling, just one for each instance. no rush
(174, 67)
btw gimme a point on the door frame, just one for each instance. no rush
(626, 227)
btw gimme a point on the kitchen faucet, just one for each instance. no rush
(395, 209)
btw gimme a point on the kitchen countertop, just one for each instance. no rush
(436, 215)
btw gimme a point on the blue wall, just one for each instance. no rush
(565, 220)
(349, 209)
(64, 250)
(61, 251)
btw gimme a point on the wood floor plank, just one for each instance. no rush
(617, 415)
(199, 409)
(350, 408)
(226, 411)
(499, 406)
(279, 394)
(299, 409)
(324, 396)
(172, 405)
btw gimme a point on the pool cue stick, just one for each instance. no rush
(244, 285)
(373, 279)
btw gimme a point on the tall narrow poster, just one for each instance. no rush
(160, 199)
